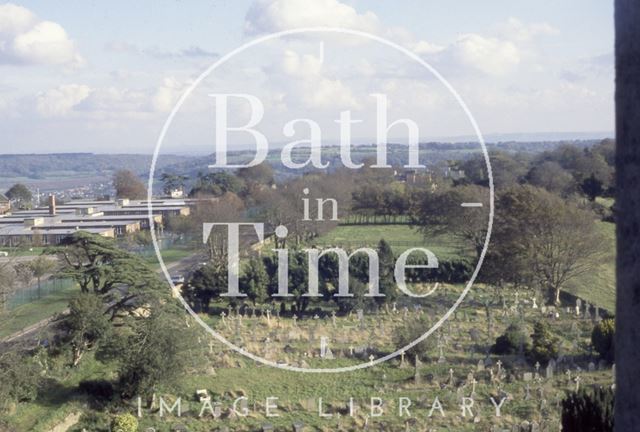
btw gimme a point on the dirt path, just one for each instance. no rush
(67, 423)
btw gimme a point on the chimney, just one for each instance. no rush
(52, 205)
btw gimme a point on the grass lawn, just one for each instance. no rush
(400, 237)
(598, 286)
(34, 251)
(30, 313)
(169, 255)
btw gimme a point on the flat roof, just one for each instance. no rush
(13, 230)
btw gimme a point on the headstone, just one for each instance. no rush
(480, 366)
(527, 376)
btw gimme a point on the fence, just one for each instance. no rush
(31, 293)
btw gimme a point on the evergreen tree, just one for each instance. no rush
(254, 281)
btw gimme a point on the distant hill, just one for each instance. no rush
(40, 166)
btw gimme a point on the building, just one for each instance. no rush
(49, 225)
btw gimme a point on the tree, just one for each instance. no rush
(20, 195)
(411, 331)
(592, 187)
(386, 261)
(98, 266)
(40, 267)
(544, 239)
(206, 283)
(19, 377)
(128, 185)
(589, 410)
(441, 213)
(172, 182)
(552, 177)
(154, 351)
(506, 170)
(255, 280)
(603, 337)
(261, 174)
(86, 324)
(544, 345)
(510, 342)
(217, 184)
(8, 283)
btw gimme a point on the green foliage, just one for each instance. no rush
(19, 377)
(152, 352)
(544, 345)
(172, 182)
(86, 325)
(543, 240)
(588, 411)
(217, 184)
(21, 195)
(603, 337)
(206, 283)
(124, 423)
(254, 281)
(592, 187)
(387, 265)
(98, 266)
(509, 342)
(411, 331)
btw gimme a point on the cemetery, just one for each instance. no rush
(457, 380)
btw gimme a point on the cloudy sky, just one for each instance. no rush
(103, 76)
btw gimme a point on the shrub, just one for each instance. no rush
(544, 345)
(411, 331)
(509, 342)
(124, 423)
(602, 338)
(19, 377)
(588, 411)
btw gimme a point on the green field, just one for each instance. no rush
(33, 312)
(598, 286)
(399, 237)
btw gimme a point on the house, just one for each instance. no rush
(5, 204)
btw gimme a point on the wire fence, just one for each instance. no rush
(33, 292)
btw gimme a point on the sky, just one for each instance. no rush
(103, 76)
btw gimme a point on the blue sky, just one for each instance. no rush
(102, 76)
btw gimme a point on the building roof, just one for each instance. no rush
(3, 198)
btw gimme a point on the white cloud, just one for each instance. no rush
(167, 94)
(268, 16)
(306, 81)
(108, 102)
(60, 100)
(25, 39)
(490, 55)
(517, 30)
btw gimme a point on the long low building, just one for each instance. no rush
(49, 225)
(16, 235)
